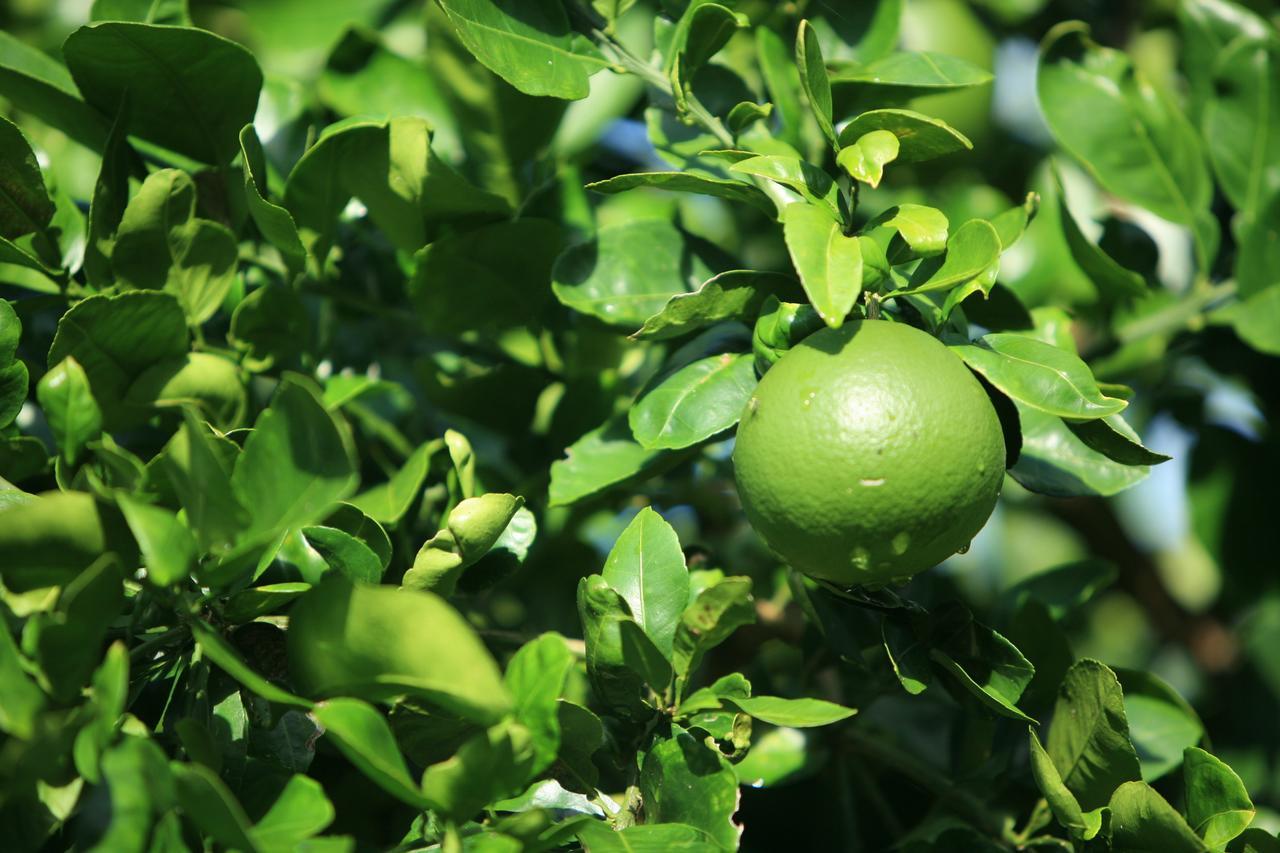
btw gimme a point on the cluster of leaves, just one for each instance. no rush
(282, 382)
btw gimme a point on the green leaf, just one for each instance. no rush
(709, 619)
(51, 539)
(300, 811)
(1055, 462)
(199, 466)
(378, 642)
(782, 82)
(684, 781)
(297, 463)
(920, 137)
(530, 45)
(1142, 821)
(732, 295)
(1011, 224)
(388, 502)
(410, 193)
(39, 85)
(1161, 723)
(192, 106)
(116, 338)
(780, 756)
(1089, 738)
(688, 182)
(161, 245)
(745, 114)
(13, 373)
(1218, 806)
(923, 229)
(21, 700)
(340, 552)
(865, 158)
(68, 405)
(1064, 589)
(210, 804)
(606, 457)
(922, 70)
(797, 713)
(1040, 376)
(1208, 28)
(1082, 825)
(1256, 840)
(362, 735)
(1115, 439)
(694, 403)
(25, 205)
(973, 251)
(646, 567)
(172, 12)
(792, 172)
(986, 664)
(535, 677)
(814, 80)
(1257, 320)
(271, 327)
(491, 765)
(107, 205)
(1125, 130)
(627, 272)
(474, 526)
(167, 546)
(828, 261)
(642, 656)
(601, 837)
(1112, 280)
(1241, 131)
(614, 683)
(248, 604)
(225, 655)
(273, 221)
(505, 268)
(699, 34)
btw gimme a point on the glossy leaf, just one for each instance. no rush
(490, 765)
(923, 229)
(1142, 820)
(535, 677)
(1089, 738)
(600, 837)
(531, 47)
(1124, 130)
(389, 501)
(914, 70)
(646, 567)
(710, 618)
(1241, 131)
(51, 539)
(696, 402)
(273, 221)
(296, 463)
(643, 657)
(920, 137)
(683, 781)
(627, 272)
(198, 465)
(864, 160)
(300, 811)
(68, 404)
(1055, 462)
(189, 90)
(813, 79)
(1162, 724)
(167, 546)
(1115, 439)
(732, 295)
(606, 457)
(828, 261)
(207, 801)
(377, 642)
(614, 683)
(1111, 279)
(1040, 376)
(973, 251)
(1082, 825)
(1218, 806)
(797, 713)
(362, 735)
(803, 177)
(688, 182)
(36, 83)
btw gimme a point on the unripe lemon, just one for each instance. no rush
(868, 453)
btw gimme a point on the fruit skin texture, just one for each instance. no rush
(868, 454)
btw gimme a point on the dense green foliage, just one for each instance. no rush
(368, 379)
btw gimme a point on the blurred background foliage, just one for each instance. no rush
(1192, 549)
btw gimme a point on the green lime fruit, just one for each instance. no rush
(868, 453)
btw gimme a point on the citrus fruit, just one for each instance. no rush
(868, 453)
